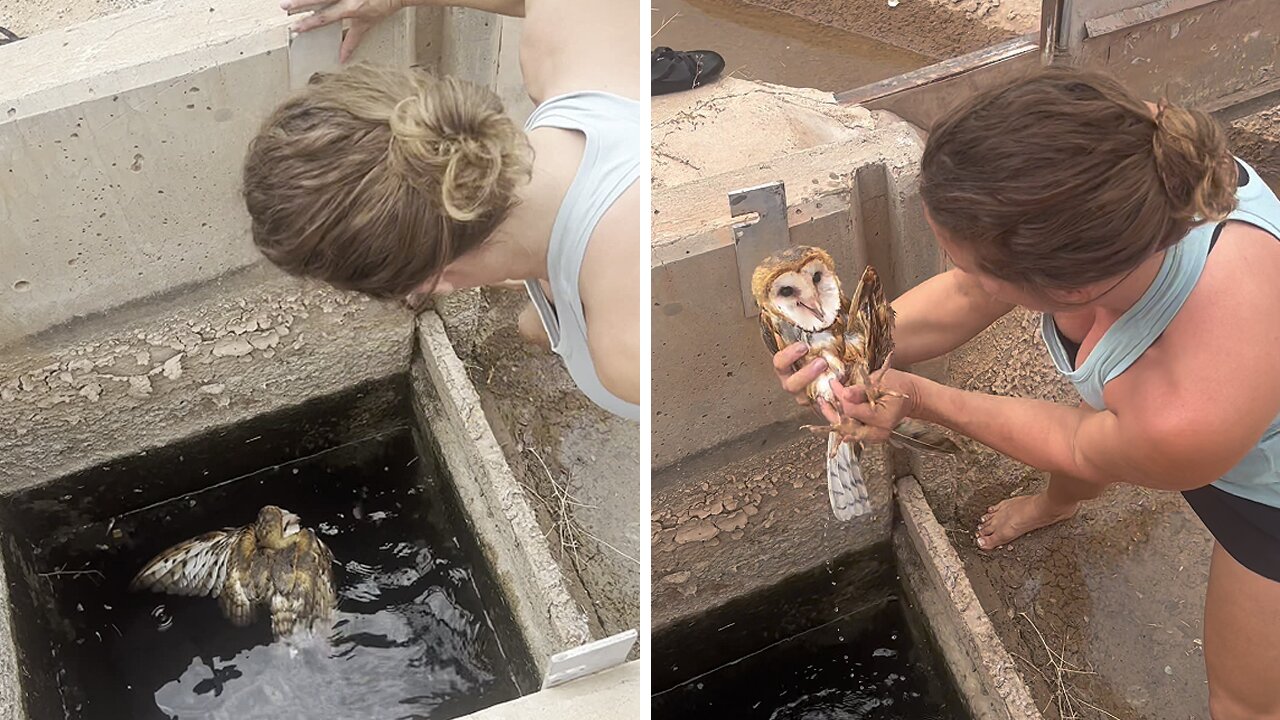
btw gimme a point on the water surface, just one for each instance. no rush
(862, 666)
(414, 635)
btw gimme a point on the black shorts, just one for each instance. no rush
(1249, 531)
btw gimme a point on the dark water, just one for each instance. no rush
(859, 667)
(414, 636)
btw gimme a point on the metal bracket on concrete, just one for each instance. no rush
(589, 659)
(312, 52)
(756, 240)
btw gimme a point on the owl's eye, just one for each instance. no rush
(817, 277)
(786, 291)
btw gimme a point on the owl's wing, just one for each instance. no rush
(195, 567)
(304, 595)
(324, 595)
(869, 334)
(777, 332)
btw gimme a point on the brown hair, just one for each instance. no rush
(375, 179)
(1064, 178)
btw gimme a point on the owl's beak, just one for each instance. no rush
(813, 308)
(292, 523)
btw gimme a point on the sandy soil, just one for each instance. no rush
(550, 430)
(936, 28)
(774, 47)
(1256, 138)
(29, 17)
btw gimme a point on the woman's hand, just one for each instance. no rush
(363, 14)
(797, 382)
(893, 407)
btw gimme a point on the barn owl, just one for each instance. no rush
(799, 296)
(273, 563)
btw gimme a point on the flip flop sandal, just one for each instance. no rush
(673, 71)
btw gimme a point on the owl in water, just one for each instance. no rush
(273, 564)
(800, 300)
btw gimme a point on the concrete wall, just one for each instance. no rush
(481, 47)
(851, 187)
(123, 139)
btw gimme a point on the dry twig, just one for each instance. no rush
(1065, 696)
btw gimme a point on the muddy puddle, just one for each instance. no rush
(418, 632)
(759, 44)
(861, 666)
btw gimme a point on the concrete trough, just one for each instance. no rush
(786, 569)
(250, 361)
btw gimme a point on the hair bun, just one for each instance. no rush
(1195, 166)
(452, 139)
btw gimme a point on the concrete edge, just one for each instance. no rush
(986, 675)
(613, 693)
(11, 695)
(503, 521)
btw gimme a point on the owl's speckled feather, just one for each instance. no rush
(798, 292)
(272, 564)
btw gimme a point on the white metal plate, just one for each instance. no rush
(598, 656)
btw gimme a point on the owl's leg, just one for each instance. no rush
(847, 430)
(874, 391)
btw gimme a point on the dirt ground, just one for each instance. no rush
(580, 464)
(938, 29)
(769, 46)
(30, 17)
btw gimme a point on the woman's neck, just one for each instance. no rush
(1128, 291)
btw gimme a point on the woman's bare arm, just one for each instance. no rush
(941, 314)
(1180, 417)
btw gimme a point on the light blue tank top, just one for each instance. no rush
(616, 146)
(1257, 476)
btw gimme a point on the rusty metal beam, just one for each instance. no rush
(1204, 53)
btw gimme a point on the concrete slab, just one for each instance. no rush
(500, 514)
(150, 374)
(579, 465)
(726, 525)
(851, 180)
(984, 672)
(614, 693)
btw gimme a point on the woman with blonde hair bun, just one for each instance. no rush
(395, 182)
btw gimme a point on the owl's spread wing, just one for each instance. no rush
(195, 567)
(869, 334)
(247, 582)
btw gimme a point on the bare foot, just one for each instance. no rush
(1017, 516)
